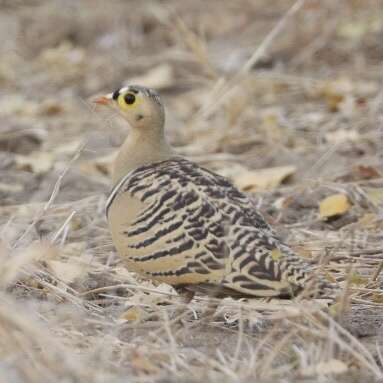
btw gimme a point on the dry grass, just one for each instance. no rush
(247, 86)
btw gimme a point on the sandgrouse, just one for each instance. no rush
(175, 222)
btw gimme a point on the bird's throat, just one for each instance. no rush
(140, 148)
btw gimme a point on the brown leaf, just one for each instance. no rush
(21, 141)
(368, 220)
(62, 56)
(375, 195)
(335, 92)
(68, 148)
(334, 205)
(17, 105)
(332, 366)
(69, 264)
(133, 314)
(101, 166)
(50, 107)
(342, 135)
(143, 364)
(357, 29)
(303, 251)
(67, 272)
(261, 179)
(10, 188)
(12, 266)
(365, 172)
(358, 279)
(377, 297)
(36, 162)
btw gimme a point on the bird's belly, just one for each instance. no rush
(154, 251)
(173, 269)
(156, 245)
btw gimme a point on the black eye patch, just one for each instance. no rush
(129, 98)
(115, 94)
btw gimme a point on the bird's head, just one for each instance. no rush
(140, 106)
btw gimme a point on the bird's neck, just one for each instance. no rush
(140, 148)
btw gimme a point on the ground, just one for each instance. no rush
(284, 98)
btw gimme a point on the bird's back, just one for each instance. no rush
(179, 223)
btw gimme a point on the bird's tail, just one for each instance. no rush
(318, 287)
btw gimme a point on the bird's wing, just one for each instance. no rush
(196, 227)
(260, 263)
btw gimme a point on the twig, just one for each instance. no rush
(378, 270)
(53, 196)
(226, 87)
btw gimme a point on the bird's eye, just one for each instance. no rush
(130, 98)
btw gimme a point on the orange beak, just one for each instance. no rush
(102, 100)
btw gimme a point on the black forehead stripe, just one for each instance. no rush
(115, 94)
(137, 89)
(145, 91)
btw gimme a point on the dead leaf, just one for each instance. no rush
(17, 105)
(36, 162)
(357, 29)
(283, 202)
(71, 263)
(163, 293)
(21, 141)
(10, 188)
(76, 223)
(342, 135)
(65, 54)
(143, 364)
(232, 170)
(69, 147)
(358, 279)
(67, 272)
(375, 195)
(50, 107)
(335, 92)
(336, 309)
(133, 314)
(334, 205)
(377, 298)
(160, 77)
(124, 274)
(261, 179)
(368, 220)
(101, 166)
(332, 366)
(365, 172)
(12, 267)
(270, 126)
(303, 251)
(330, 277)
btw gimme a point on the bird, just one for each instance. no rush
(176, 222)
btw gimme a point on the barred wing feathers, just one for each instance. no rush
(179, 223)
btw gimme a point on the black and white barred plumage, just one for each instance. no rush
(185, 225)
